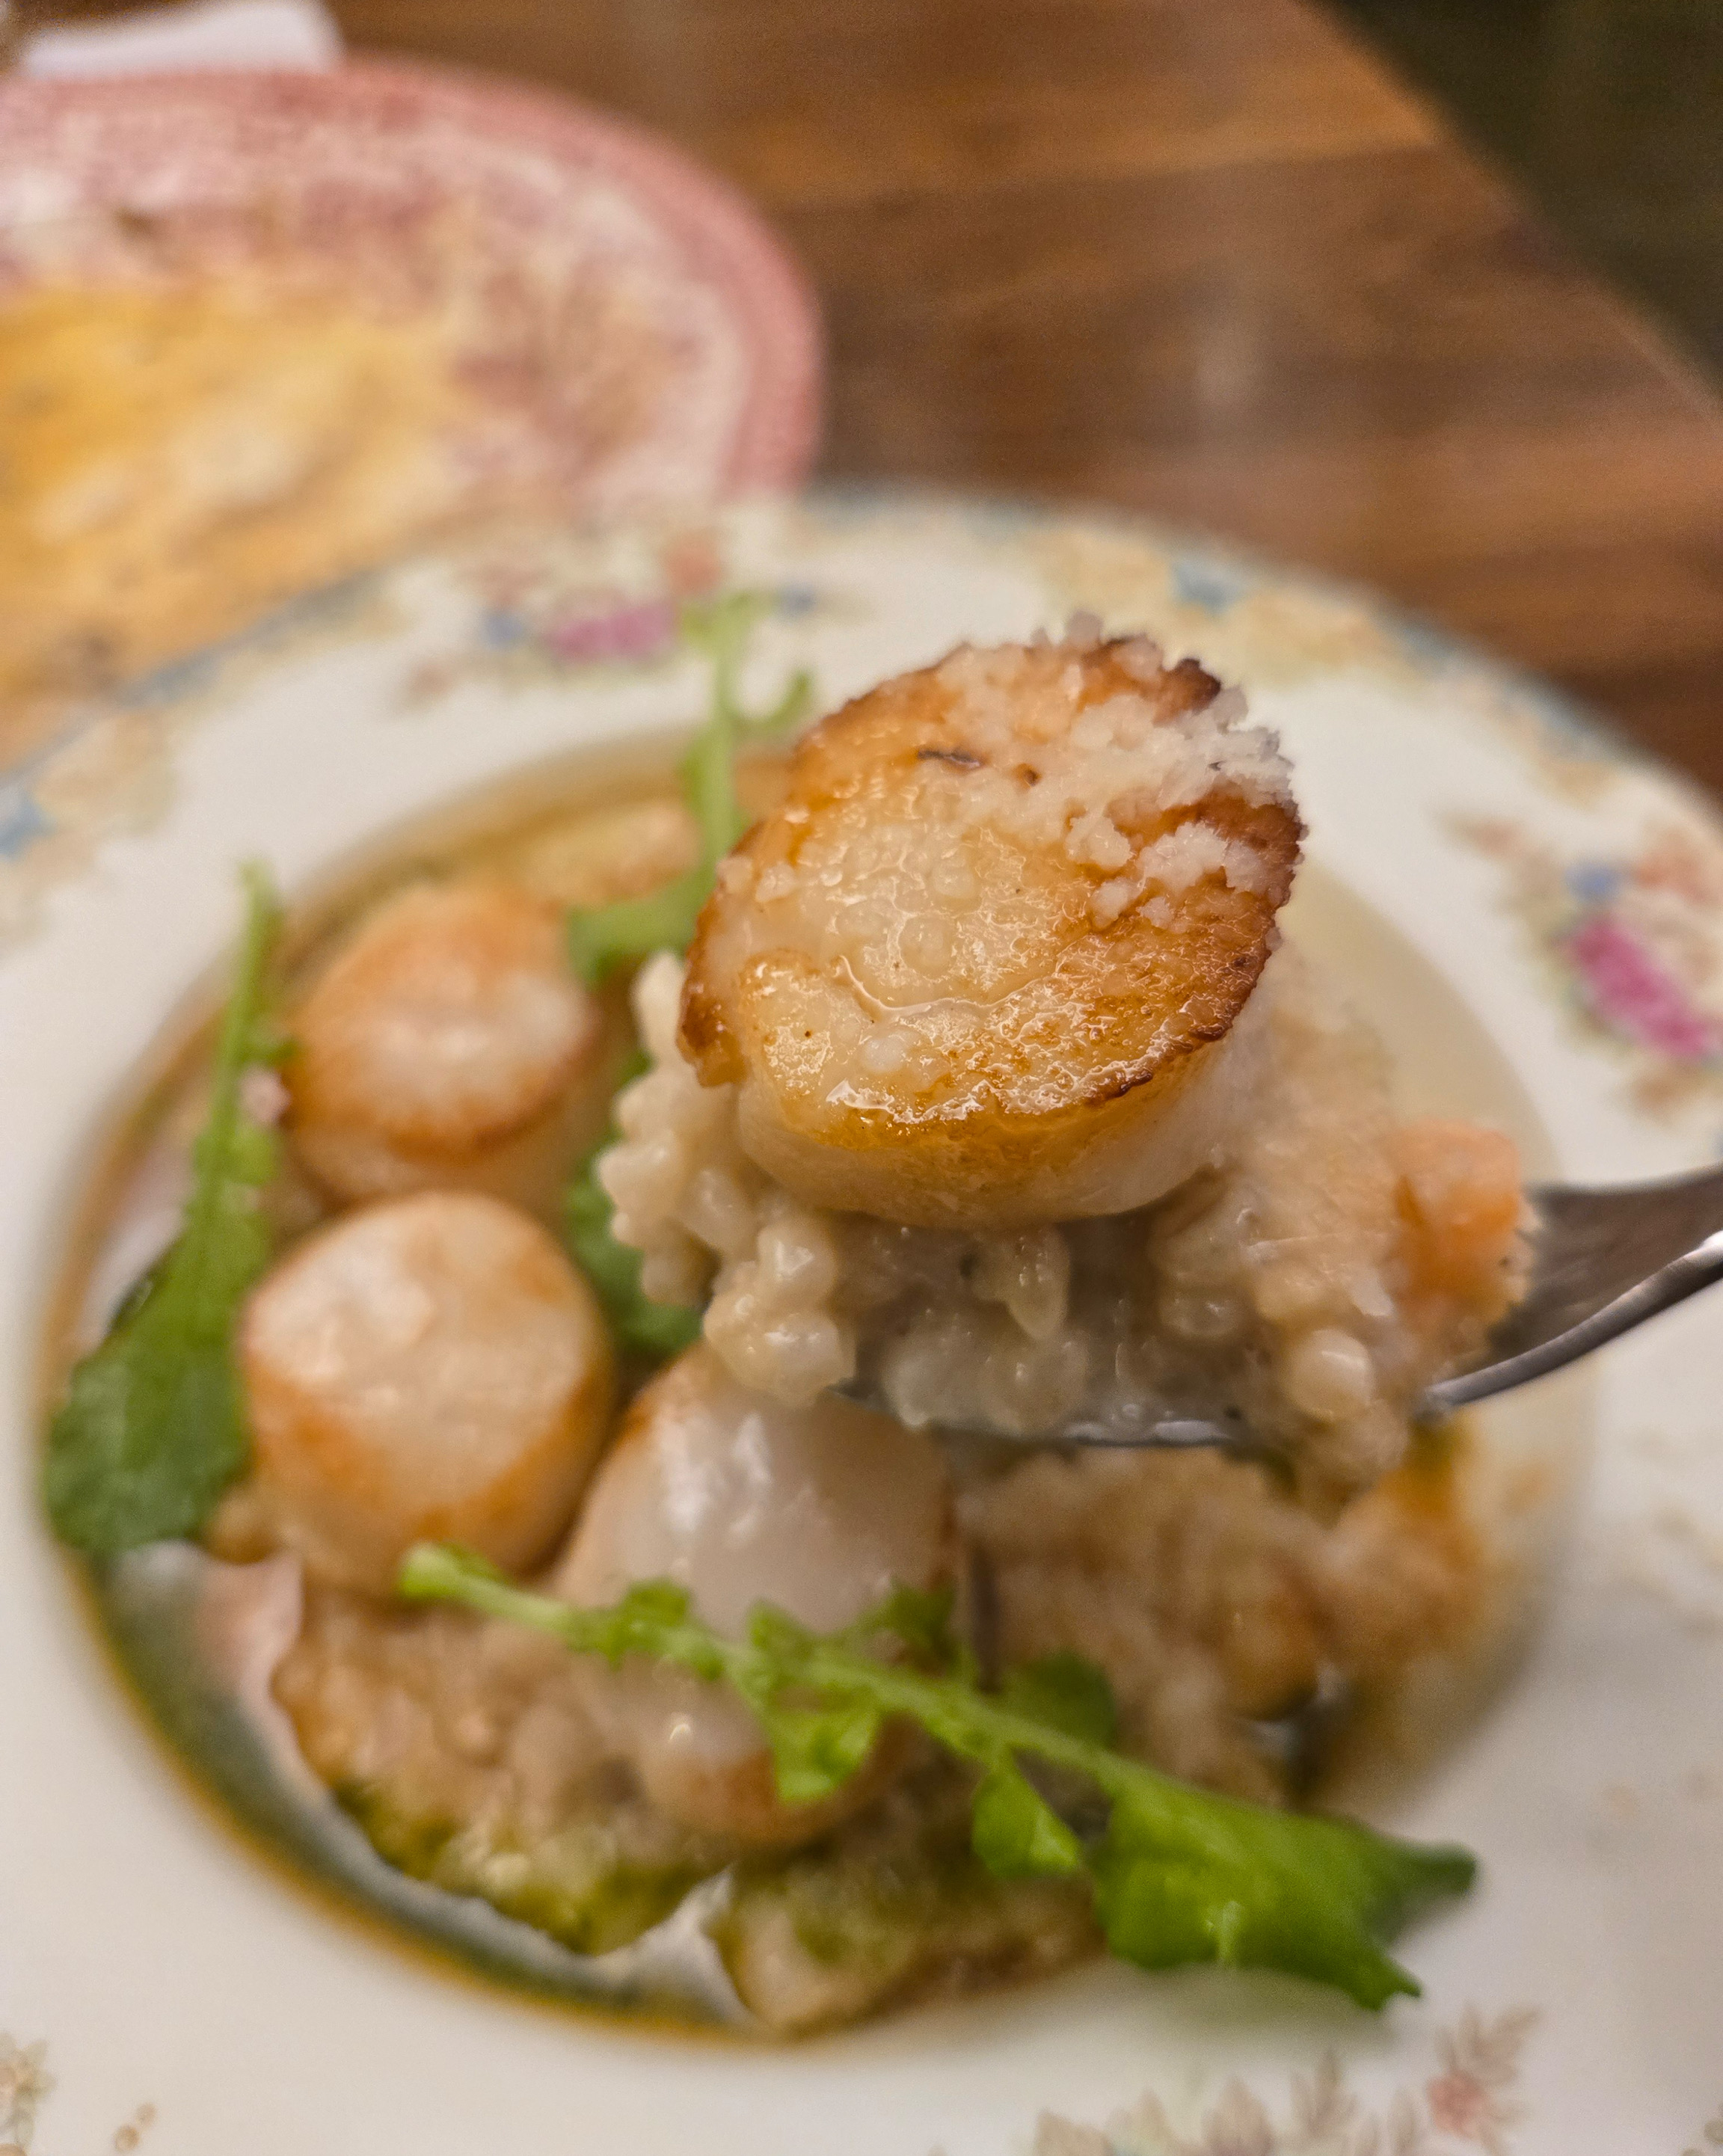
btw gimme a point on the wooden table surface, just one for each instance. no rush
(1205, 258)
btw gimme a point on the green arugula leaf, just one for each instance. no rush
(1180, 1874)
(655, 1330)
(1064, 1692)
(602, 938)
(152, 1428)
(917, 1618)
(1263, 1890)
(814, 1750)
(1017, 1834)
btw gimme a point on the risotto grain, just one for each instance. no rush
(1324, 1267)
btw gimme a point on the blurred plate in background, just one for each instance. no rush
(260, 331)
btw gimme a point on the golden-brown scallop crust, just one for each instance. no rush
(1110, 1027)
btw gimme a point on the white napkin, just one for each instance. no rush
(198, 33)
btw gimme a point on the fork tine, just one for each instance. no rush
(1603, 1261)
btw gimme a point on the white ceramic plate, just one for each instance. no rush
(1537, 921)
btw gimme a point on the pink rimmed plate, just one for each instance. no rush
(348, 312)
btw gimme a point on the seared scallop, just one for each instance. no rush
(439, 1049)
(983, 965)
(738, 1499)
(430, 1368)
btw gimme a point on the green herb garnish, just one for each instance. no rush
(602, 938)
(152, 1429)
(655, 1330)
(1179, 1875)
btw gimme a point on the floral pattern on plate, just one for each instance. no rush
(550, 611)
(24, 2081)
(1470, 2100)
(1633, 943)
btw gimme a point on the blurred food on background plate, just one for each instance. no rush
(261, 332)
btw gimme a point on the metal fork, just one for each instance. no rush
(1603, 1261)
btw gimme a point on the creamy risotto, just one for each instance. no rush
(1303, 1286)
